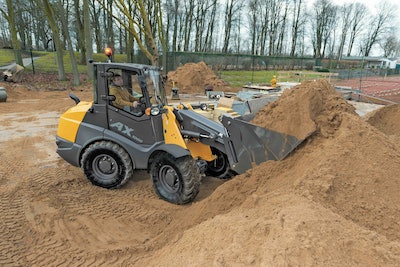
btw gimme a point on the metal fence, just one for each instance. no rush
(360, 73)
(219, 61)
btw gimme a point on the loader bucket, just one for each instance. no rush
(247, 143)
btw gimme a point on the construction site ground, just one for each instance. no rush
(333, 202)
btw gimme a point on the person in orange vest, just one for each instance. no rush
(273, 81)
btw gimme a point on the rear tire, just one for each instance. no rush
(106, 164)
(176, 180)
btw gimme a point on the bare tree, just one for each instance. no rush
(160, 31)
(108, 20)
(23, 22)
(322, 23)
(356, 24)
(210, 26)
(298, 20)
(4, 33)
(344, 17)
(254, 24)
(188, 23)
(379, 25)
(264, 27)
(80, 32)
(204, 21)
(232, 11)
(138, 26)
(97, 25)
(280, 46)
(275, 8)
(64, 22)
(199, 22)
(88, 38)
(171, 24)
(9, 15)
(51, 18)
(390, 45)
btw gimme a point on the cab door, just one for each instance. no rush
(137, 128)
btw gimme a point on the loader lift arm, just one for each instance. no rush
(237, 144)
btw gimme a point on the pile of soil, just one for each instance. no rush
(331, 202)
(383, 119)
(306, 108)
(194, 78)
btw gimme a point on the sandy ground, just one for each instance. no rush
(333, 202)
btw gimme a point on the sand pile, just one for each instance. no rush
(306, 108)
(383, 119)
(333, 202)
(193, 78)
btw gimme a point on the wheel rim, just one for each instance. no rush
(105, 167)
(169, 179)
(219, 164)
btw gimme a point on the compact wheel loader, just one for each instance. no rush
(177, 146)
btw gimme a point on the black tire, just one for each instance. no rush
(220, 166)
(175, 180)
(106, 164)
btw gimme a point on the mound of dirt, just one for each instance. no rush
(383, 119)
(193, 78)
(333, 202)
(310, 106)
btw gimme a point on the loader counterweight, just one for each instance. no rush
(69, 121)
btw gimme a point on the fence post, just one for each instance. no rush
(33, 65)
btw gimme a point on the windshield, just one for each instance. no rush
(156, 87)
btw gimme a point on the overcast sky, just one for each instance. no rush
(371, 4)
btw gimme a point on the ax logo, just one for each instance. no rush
(119, 126)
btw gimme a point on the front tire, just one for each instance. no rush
(175, 180)
(106, 164)
(220, 166)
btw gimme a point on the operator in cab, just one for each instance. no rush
(123, 99)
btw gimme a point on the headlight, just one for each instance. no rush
(154, 111)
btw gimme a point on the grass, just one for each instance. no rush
(6, 57)
(240, 78)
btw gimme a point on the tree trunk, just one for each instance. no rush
(13, 32)
(175, 31)
(88, 38)
(74, 65)
(48, 10)
(80, 32)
